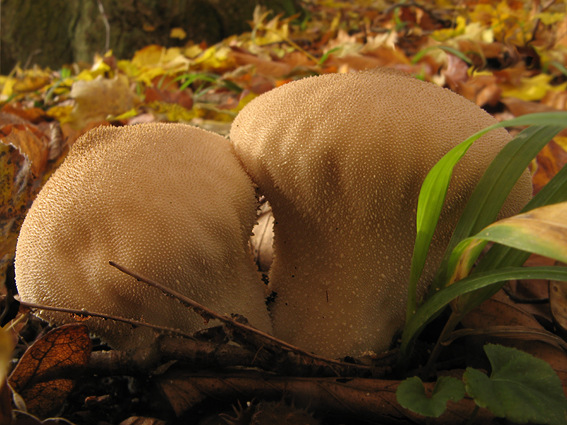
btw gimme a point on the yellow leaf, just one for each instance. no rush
(447, 33)
(178, 33)
(244, 101)
(85, 75)
(128, 114)
(6, 348)
(128, 68)
(96, 100)
(561, 141)
(214, 57)
(533, 88)
(550, 18)
(30, 80)
(7, 86)
(172, 111)
(60, 113)
(193, 51)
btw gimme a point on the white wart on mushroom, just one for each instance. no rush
(168, 201)
(341, 158)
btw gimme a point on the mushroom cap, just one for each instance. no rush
(341, 158)
(168, 201)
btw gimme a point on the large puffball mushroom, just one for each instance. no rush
(341, 158)
(168, 201)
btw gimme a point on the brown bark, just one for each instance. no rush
(357, 399)
(57, 32)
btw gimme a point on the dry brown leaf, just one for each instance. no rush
(97, 99)
(500, 311)
(47, 371)
(558, 305)
(33, 115)
(263, 67)
(137, 420)
(555, 99)
(520, 107)
(262, 238)
(31, 142)
(549, 161)
(16, 183)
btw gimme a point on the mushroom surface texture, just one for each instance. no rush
(168, 201)
(341, 158)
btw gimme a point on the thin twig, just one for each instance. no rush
(208, 314)
(106, 25)
(85, 313)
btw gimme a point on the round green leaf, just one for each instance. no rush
(411, 395)
(521, 388)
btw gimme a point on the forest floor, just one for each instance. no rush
(509, 58)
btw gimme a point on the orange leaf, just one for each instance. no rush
(48, 370)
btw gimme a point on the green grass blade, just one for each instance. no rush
(541, 231)
(504, 256)
(447, 49)
(434, 189)
(493, 188)
(438, 301)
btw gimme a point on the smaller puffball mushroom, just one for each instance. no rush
(341, 158)
(168, 201)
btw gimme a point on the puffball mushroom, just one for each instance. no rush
(341, 158)
(168, 201)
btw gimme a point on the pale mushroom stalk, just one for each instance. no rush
(168, 201)
(341, 159)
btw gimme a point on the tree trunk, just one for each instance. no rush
(56, 32)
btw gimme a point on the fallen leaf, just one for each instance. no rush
(48, 370)
(96, 100)
(16, 182)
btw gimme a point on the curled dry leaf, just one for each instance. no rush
(500, 311)
(48, 370)
(24, 160)
(97, 99)
(548, 163)
(558, 304)
(15, 194)
(31, 142)
(262, 238)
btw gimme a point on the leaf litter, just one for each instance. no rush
(508, 57)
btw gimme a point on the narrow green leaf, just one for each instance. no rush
(411, 395)
(326, 55)
(189, 79)
(447, 49)
(504, 256)
(521, 388)
(438, 301)
(542, 231)
(493, 188)
(559, 66)
(434, 189)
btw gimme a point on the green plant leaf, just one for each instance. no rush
(504, 256)
(521, 388)
(438, 301)
(493, 189)
(433, 192)
(541, 231)
(411, 395)
(447, 49)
